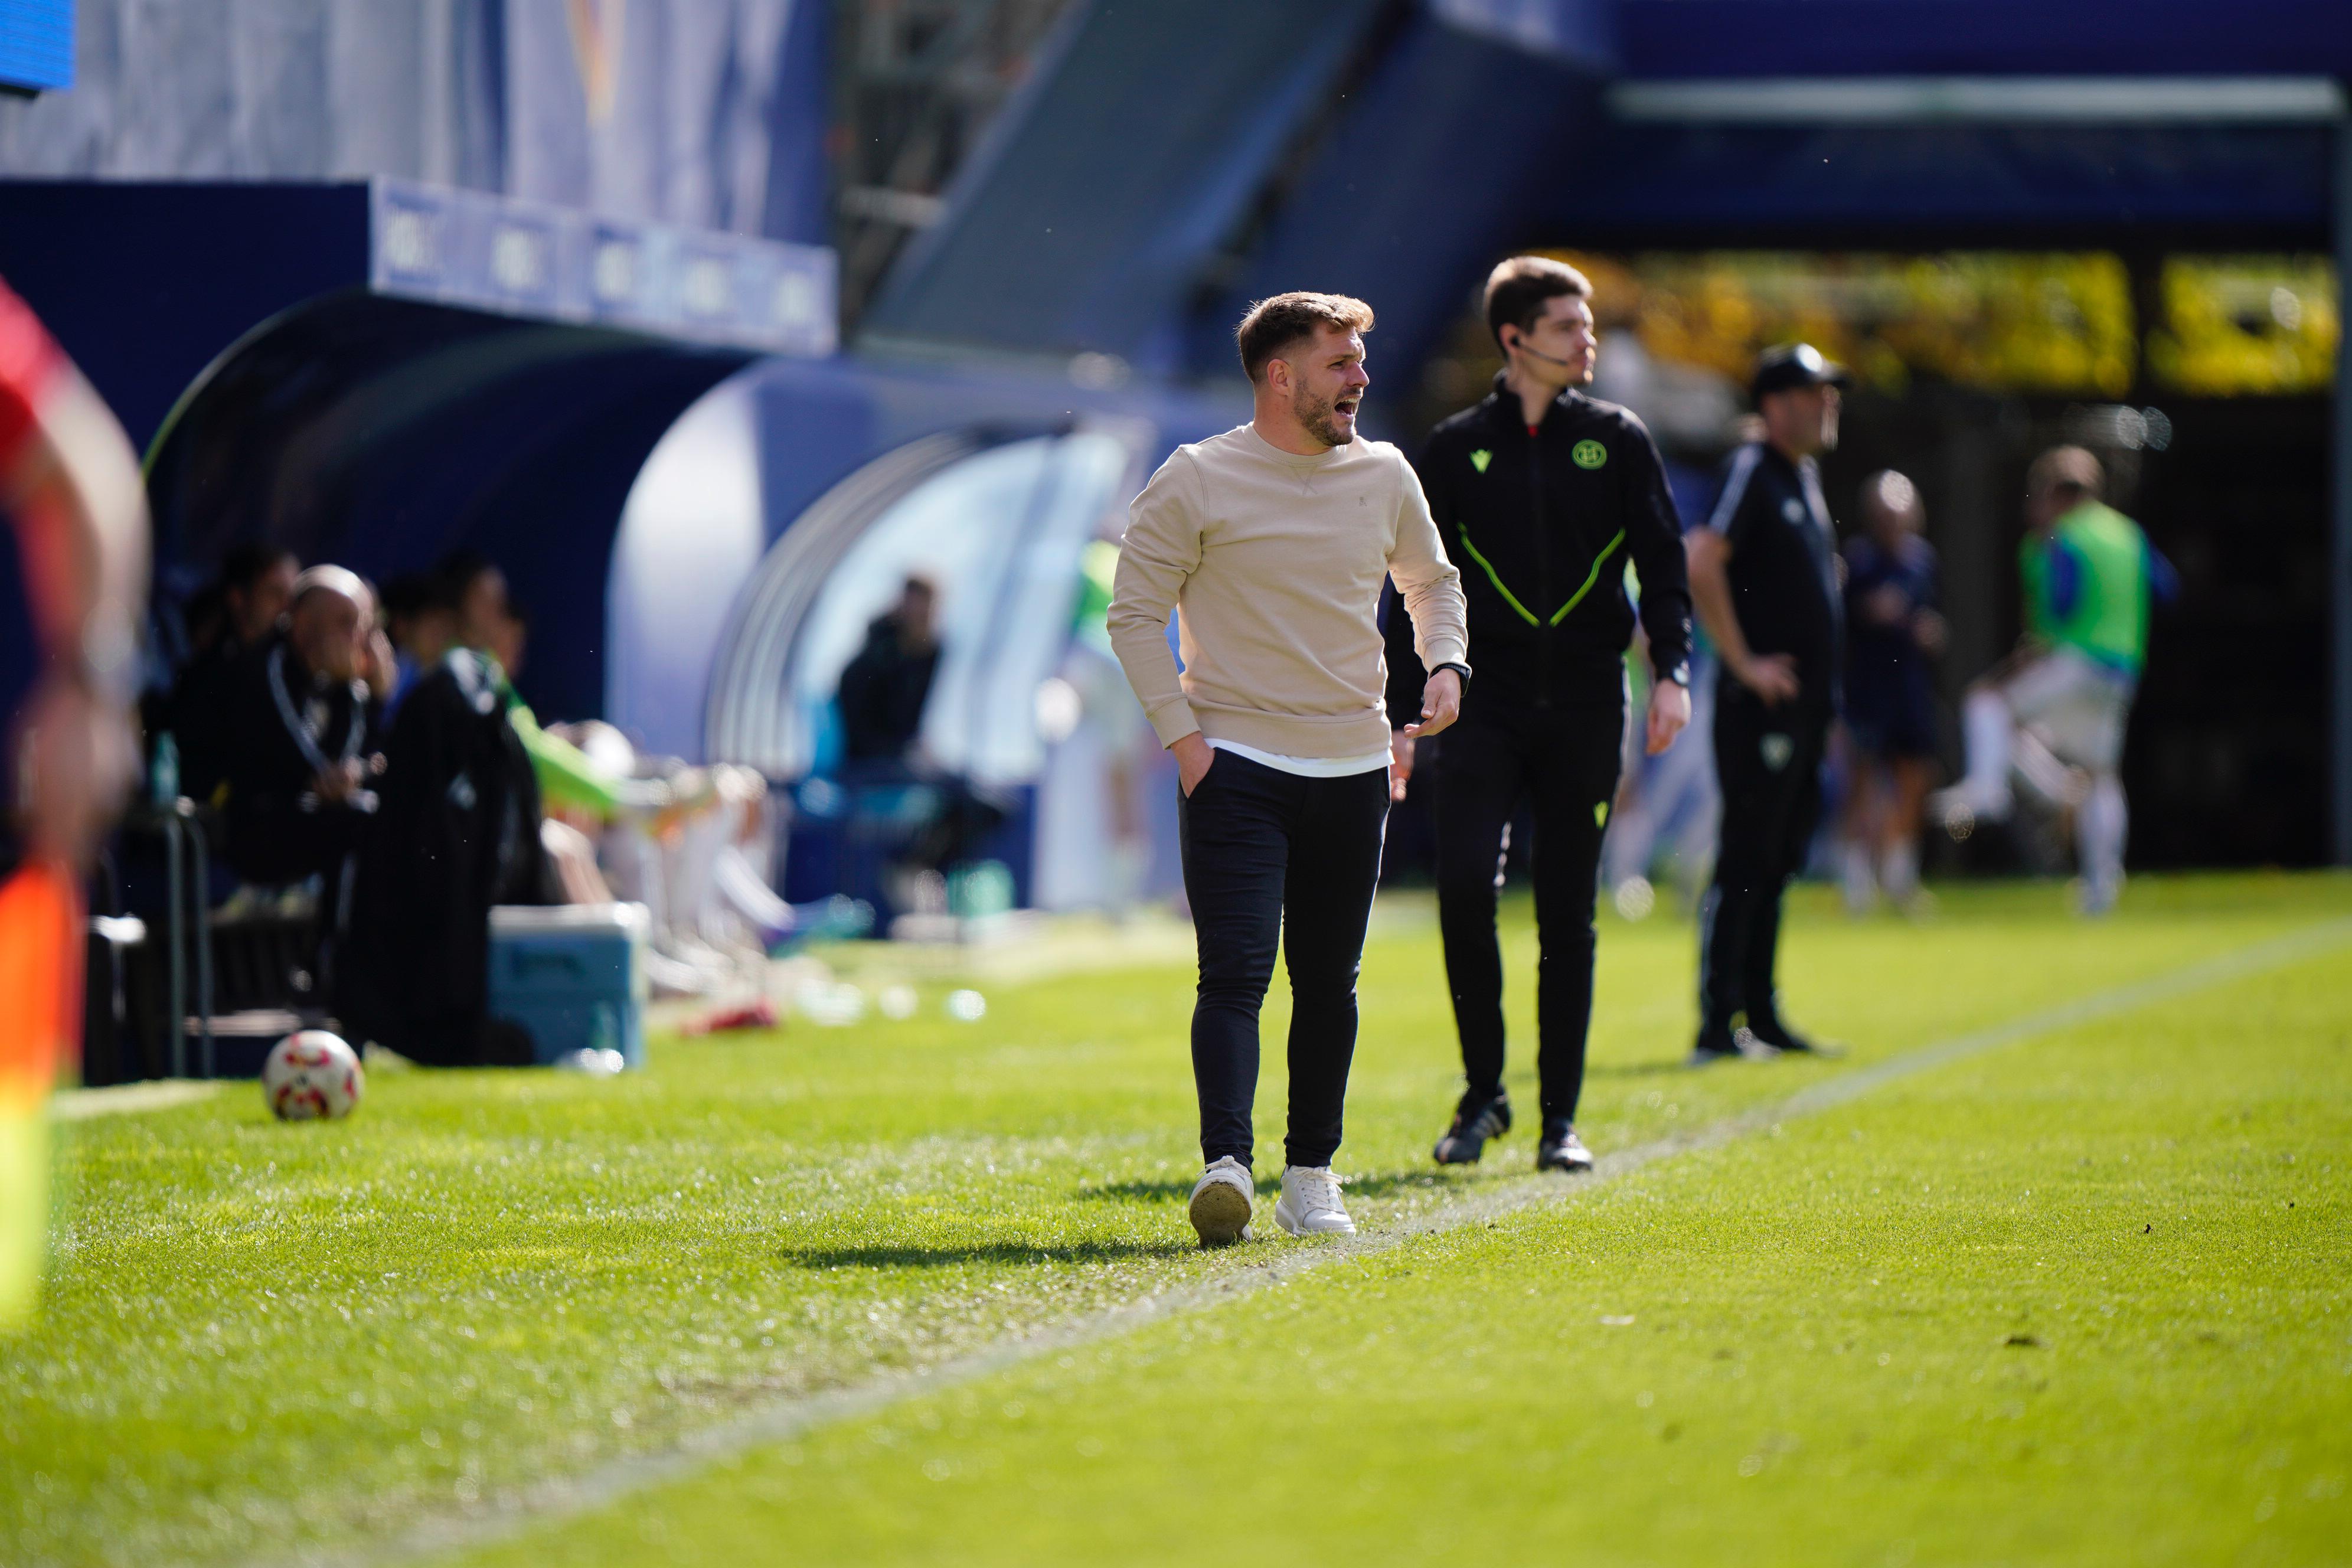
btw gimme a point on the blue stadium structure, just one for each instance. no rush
(634, 415)
(36, 45)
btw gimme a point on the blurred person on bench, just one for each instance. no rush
(483, 617)
(421, 625)
(299, 761)
(685, 839)
(881, 698)
(577, 796)
(483, 807)
(236, 613)
(885, 688)
(458, 833)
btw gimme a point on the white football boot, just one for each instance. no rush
(1309, 1204)
(1221, 1202)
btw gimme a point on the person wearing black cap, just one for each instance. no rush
(1763, 576)
(1550, 493)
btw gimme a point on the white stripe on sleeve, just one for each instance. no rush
(1735, 487)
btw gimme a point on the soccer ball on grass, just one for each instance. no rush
(311, 1075)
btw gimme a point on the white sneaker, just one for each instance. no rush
(1221, 1202)
(1309, 1204)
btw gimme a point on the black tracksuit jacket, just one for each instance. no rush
(1540, 525)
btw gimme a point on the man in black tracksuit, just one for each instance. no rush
(458, 835)
(294, 739)
(1763, 572)
(1546, 494)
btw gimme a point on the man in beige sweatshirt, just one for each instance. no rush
(1273, 541)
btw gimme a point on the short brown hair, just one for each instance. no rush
(1273, 325)
(1517, 290)
(2064, 469)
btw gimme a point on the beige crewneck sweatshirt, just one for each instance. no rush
(1276, 562)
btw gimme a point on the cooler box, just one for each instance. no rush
(573, 975)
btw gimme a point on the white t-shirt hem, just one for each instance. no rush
(1309, 767)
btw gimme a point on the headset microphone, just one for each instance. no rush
(1527, 348)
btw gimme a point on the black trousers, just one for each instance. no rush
(1564, 764)
(1768, 760)
(1269, 855)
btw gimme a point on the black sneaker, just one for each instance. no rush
(1731, 1045)
(1781, 1037)
(1475, 1119)
(1562, 1150)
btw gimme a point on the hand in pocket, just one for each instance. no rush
(1195, 757)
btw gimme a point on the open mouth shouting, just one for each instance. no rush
(1333, 423)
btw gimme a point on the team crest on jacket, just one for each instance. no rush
(1778, 750)
(1480, 459)
(1587, 454)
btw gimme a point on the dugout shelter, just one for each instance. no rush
(649, 429)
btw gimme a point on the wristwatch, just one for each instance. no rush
(1461, 670)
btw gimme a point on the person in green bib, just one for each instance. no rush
(2054, 712)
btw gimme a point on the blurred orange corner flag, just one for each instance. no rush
(40, 990)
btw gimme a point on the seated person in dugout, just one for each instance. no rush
(421, 624)
(885, 688)
(297, 758)
(469, 597)
(573, 789)
(457, 834)
(882, 693)
(577, 793)
(236, 613)
(469, 775)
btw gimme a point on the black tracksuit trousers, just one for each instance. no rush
(1270, 856)
(1768, 760)
(1563, 763)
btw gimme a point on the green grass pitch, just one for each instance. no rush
(2078, 1294)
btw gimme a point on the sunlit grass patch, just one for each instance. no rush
(262, 1336)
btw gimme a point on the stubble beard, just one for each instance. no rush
(1319, 419)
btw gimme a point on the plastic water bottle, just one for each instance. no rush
(163, 780)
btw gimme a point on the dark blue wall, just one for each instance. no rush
(1891, 187)
(145, 285)
(1749, 38)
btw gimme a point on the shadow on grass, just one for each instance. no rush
(915, 1257)
(1178, 1189)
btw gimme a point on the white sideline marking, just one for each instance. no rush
(549, 1501)
(122, 1099)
